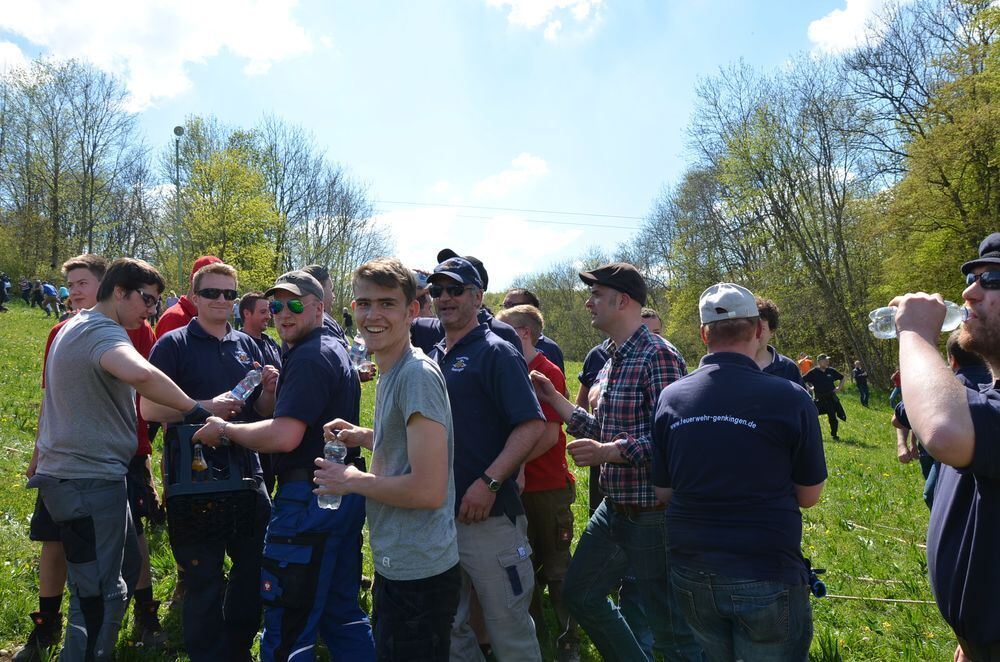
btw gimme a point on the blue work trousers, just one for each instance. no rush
(310, 579)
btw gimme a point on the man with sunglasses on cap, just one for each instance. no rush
(207, 358)
(497, 423)
(311, 569)
(736, 455)
(959, 427)
(627, 531)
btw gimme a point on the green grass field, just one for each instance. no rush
(868, 530)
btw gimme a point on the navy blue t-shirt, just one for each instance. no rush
(592, 364)
(732, 442)
(551, 350)
(426, 332)
(317, 384)
(204, 366)
(782, 366)
(270, 350)
(490, 395)
(823, 380)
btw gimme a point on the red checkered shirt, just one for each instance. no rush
(630, 384)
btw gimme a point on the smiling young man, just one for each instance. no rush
(410, 490)
(86, 439)
(959, 427)
(311, 572)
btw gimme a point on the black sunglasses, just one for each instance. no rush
(988, 280)
(294, 305)
(148, 299)
(436, 290)
(214, 292)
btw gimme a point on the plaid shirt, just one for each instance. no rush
(630, 384)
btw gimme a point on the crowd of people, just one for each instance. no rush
(697, 480)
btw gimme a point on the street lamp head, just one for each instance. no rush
(178, 131)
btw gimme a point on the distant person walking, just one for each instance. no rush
(860, 376)
(826, 383)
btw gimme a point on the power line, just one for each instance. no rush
(526, 211)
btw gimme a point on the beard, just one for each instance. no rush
(985, 342)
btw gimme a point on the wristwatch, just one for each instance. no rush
(491, 483)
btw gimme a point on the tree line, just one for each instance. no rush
(76, 175)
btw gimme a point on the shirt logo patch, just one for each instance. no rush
(460, 364)
(267, 586)
(242, 357)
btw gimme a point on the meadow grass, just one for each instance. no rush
(867, 531)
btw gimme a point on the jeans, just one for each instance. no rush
(634, 613)
(413, 618)
(864, 394)
(612, 545)
(745, 619)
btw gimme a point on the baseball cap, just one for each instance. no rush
(297, 282)
(202, 261)
(822, 357)
(989, 253)
(447, 253)
(726, 301)
(620, 276)
(458, 269)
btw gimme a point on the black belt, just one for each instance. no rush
(628, 509)
(980, 652)
(293, 475)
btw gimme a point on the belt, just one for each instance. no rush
(628, 509)
(980, 652)
(293, 475)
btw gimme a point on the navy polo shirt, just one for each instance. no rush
(824, 381)
(317, 384)
(426, 332)
(490, 395)
(782, 366)
(204, 366)
(551, 350)
(269, 349)
(732, 442)
(592, 364)
(334, 328)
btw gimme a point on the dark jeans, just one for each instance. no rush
(829, 404)
(745, 619)
(864, 393)
(413, 619)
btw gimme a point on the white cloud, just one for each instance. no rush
(533, 14)
(843, 29)
(150, 42)
(11, 56)
(524, 168)
(440, 187)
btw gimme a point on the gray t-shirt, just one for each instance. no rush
(410, 543)
(87, 429)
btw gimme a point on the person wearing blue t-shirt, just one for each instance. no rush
(959, 427)
(311, 572)
(737, 454)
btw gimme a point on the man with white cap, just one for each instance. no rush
(737, 454)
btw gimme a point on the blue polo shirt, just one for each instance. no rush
(551, 350)
(733, 442)
(782, 366)
(426, 332)
(270, 350)
(317, 384)
(204, 366)
(490, 395)
(594, 361)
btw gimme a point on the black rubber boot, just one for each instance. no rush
(44, 637)
(147, 631)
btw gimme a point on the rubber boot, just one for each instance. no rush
(147, 631)
(44, 637)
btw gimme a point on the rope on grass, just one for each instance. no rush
(890, 600)
(855, 525)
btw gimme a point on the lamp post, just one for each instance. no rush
(178, 132)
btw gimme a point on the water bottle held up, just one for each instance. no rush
(359, 351)
(334, 451)
(248, 384)
(883, 320)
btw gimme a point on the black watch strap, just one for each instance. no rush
(198, 414)
(491, 483)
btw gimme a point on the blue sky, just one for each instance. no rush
(547, 105)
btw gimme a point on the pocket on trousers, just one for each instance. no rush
(288, 575)
(764, 618)
(564, 529)
(519, 574)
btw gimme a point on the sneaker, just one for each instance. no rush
(147, 631)
(46, 635)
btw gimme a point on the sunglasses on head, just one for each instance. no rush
(988, 280)
(148, 299)
(294, 305)
(437, 290)
(214, 292)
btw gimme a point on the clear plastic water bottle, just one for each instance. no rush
(248, 384)
(883, 324)
(334, 451)
(359, 351)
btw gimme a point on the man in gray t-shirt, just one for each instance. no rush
(85, 441)
(410, 490)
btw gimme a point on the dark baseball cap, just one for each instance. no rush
(620, 276)
(459, 270)
(297, 282)
(446, 253)
(989, 253)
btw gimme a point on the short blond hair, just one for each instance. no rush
(220, 268)
(526, 316)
